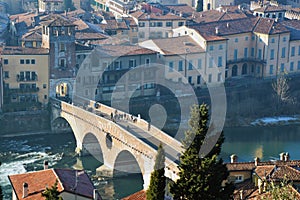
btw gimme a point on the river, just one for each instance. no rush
(27, 152)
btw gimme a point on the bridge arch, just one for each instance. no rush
(126, 163)
(91, 145)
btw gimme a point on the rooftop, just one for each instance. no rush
(140, 195)
(17, 50)
(123, 50)
(39, 180)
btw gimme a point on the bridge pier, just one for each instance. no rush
(105, 171)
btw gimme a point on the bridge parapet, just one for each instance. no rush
(141, 123)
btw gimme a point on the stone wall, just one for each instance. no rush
(26, 121)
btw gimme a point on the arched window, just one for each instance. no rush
(244, 69)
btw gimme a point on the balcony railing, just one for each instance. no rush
(21, 90)
(25, 79)
(249, 59)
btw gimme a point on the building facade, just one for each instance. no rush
(25, 76)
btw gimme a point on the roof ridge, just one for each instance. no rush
(58, 179)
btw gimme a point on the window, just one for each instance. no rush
(199, 79)
(271, 69)
(33, 76)
(62, 47)
(22, 61)
(258, 69)
(273, 40)
(5, 61)
(219, 77)
(132, 63)
(45, 96)
(117, 64)
(199, 63)
(298, 65)
(209, 78)
(180, 23)
(32, 61)
(44, 86)
(190, 79)
(180, 65)
(141, 34)
(284, 39)
(246, 38)
(253, 37)
(220, 61)
(141, 24)
(252, 52)
(211, 47)
(238, 178)
(293, 51)
(190, 65)
(62, 62)
(211, 61)
(282, 67)
(27, 61)
(159, 24)
(236, 40)
(292, 66)
(147, 61)
(171, 66)
(220, 47)
(259, 53)
(272, 54)
(235, 56)
(299, 51)
(6, 74)
(169, 24)
(283, 52)
(245, 52)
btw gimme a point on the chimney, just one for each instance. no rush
(217, 30)
(260, 186)
(256, 161)
(95, 194)
(241, 194)
(25, 190)
(233, 158)
(45, 164)
(281, 156)
(287, 157)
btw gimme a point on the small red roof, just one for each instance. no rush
(140, 195)
(39, 180)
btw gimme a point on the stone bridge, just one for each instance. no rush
(122, 142)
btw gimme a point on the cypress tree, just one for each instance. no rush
(69, 5)
(201, 177)
(52, 193)
(157, 185)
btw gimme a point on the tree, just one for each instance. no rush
(1, 193)
(282, 91)
(199, 7)
(52, 193)
(282, 190)
(157, 186)
(201, 177)
(69, 5)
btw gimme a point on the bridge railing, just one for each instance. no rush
(141, 123)
(171, 170)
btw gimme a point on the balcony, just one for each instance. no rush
(249, 59)
(21, 90)
(26, 79)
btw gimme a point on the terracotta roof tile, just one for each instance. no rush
(32, 36)
(123, 50)
(287, 172)
(155, 16)
(89, 36)
(39, 180)
(140, 195)
(177, 45)
(18, 50)
(270, 8)
(264, 171)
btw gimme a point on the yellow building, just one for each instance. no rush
(25, 77)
